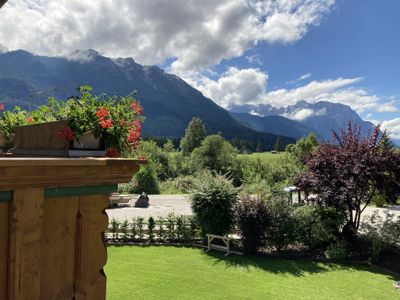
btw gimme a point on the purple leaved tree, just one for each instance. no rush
(347, 173)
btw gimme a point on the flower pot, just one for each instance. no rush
(87, 141)
(44, 140)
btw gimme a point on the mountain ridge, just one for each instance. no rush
(169, 102)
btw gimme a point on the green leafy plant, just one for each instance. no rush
(171, 234)
(280, 231)
(133, 229)
(114, 227)
(117, 121)
(252, 217)
(140, 228)
(317, 226)
(125, 230)
(161, 229)
(336, 251)
(213, 202)
(151, 224)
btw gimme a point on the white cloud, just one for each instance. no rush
(238, 86)
(392, 128)
(254, 59)
(388, 107)
(300, 78)
(302, 114)
(249, 86)
(197, 33)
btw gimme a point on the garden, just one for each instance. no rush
(319, 243)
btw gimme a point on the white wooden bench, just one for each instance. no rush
(225, 239)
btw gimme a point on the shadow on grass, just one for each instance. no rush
(295, 267)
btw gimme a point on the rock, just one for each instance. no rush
(142, 201)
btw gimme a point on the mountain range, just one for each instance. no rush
(301, 118)
(169, 102)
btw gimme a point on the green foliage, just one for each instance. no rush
(279, 146)
(218, 155)
(161, 229)
(9, 120)
(125, 230)
(379, 200)
(178, 185)
(171, 234)
(303, 146)
(151, 224)
(133, 229)
(145, 181)
(213, 201)
(280, 231)
(169, 146)
(140, 228)
(336, 251)
(114, 226)
(194, 135)
(316, 226)
(384, 233)
(252, 217)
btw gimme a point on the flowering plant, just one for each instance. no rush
(115, 121)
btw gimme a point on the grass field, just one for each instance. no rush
(187, 273)
(265, 156)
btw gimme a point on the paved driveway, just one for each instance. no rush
(162, 205)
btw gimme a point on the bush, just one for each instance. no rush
(213, 202)
(383, 232)
(336, 251)
(150, 229)
(316, 226)
(145, 181)
(252, 217)
(379, 200)
(178, 185)
(281, 228)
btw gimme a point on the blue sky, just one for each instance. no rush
(274, 52)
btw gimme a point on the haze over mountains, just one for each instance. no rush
(169, 102)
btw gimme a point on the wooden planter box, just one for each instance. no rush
(52, 224)
(43, 140)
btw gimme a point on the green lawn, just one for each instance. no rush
(187, 273)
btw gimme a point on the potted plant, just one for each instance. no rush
(88, 125)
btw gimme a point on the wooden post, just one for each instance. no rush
(52, 222)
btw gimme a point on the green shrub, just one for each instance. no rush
(145, 181)
(114, 227)
(213, 202)
(252, 217)
(124, 230)
(178, 185)
(379, 200)
(133, 229)
(151, 224)
(316, 226)
(140, 228)
(171, 234)
(161, 229)
(336, 251)
(280, 231)
(384, 233)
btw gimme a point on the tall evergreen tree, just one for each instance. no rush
(194, 135)
(279, 144)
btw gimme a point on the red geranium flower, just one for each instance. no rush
(112, 152)
(29, 119)
(1, 106)
(102, 112)
(106, 123)
(66, 133)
